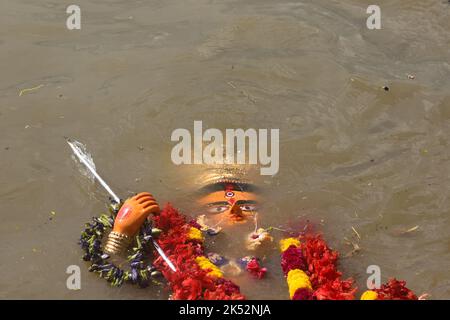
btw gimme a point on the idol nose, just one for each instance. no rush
(236, 210)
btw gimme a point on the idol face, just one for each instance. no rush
(229, 206)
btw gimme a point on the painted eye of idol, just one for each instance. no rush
(214, 208)
(249, 207)
(222, 206)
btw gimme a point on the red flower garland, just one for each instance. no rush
(321, 262)
(189, 282)
(292, 258)
(310, 265)
(395, 290)
(311, 270)
(318, 262)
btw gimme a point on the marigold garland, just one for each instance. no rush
(311, 273)
(197, 278)
(195, 234)
(205, 264)
(297, 279)
(286, 243)
(369, 295)
(392, 290)
(309, 265)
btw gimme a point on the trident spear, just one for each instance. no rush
(81, 153)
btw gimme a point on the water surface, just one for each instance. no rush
(351, 153)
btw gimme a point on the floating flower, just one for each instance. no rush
(286, 243)
(217, 259)
(256, 269)
(257, 238)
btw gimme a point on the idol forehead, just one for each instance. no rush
(228, 193)
(228, 187)
(229, 198)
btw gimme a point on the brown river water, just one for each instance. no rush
(365, 163)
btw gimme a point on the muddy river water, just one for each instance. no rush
(364, 120)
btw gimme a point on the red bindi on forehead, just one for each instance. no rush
(229, 194)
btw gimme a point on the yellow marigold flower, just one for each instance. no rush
(195, 234)
(297, 279)
(286, 243)
(205, 264)
(369, 295)
(215, 273)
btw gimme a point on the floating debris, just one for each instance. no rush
(52, 214)
(356, 232)
(415, 228)
(386, 88)
(23, 91)
(402, 232)
(355, 246)
(411, 229)
(355, 250)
